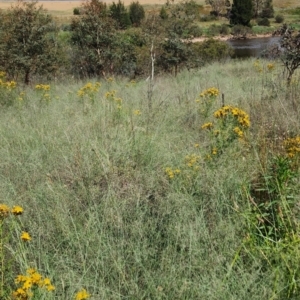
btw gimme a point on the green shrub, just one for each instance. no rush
(263, 22)
(279, 18)
(224, 29)
(213, 30)
(195, 31)
(210, 50)
(240, 31)
(76, 11)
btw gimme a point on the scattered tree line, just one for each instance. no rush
(102, 41)
(108, 40)
(240, 12)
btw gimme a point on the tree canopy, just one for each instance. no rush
(28, 42)
(241, 12)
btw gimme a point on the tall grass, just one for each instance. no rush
(101, 210)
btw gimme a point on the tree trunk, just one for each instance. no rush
(27, 79)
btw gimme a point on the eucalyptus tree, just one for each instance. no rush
(92, 38)
(28, 41)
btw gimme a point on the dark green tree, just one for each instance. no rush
(174, 54)
(241, 12)
(92, 38)
(28, 41)
(136, 13)
(120, 14)
(163, 13)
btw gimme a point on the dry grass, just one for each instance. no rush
(63, 10)
(286, 3)
(68, 6)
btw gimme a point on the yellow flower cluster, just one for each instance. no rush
(211, 92)
(82, 295)
(208, 125)
(25, 236)
(31, 280)
(214, 151)
(292, 146)
(6, 210)
(192, 159)
(258, 66)
(171, 173)
(110, 79)
(131, 83)
(137, 112)
(270, 67)
(241, 117)
(89, 89)
(9, 85)
(21, 96)
(42, 87)
(112, 96)
(238, 131)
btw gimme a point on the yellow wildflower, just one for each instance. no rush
(137, 112)
(20, 278)
(44, 87)
(17, 210)
(110, 79)
(19, 294)
(208, 125)
(25, 236)
(238, 131)
(31, 271)
(47, 281)
(4, 210)
(270, 67)
(28, 283)
(210, 93)
(50, 288)
(82, 295)
(36, 278)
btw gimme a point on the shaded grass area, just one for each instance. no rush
(102, 212)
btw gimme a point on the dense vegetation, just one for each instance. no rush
(181, 187)
(168, 197)
(104, 40)
(101, 41)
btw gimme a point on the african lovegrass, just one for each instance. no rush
(118, 206)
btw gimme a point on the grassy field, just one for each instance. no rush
(127, 196)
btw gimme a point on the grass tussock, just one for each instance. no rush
(192, 197)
